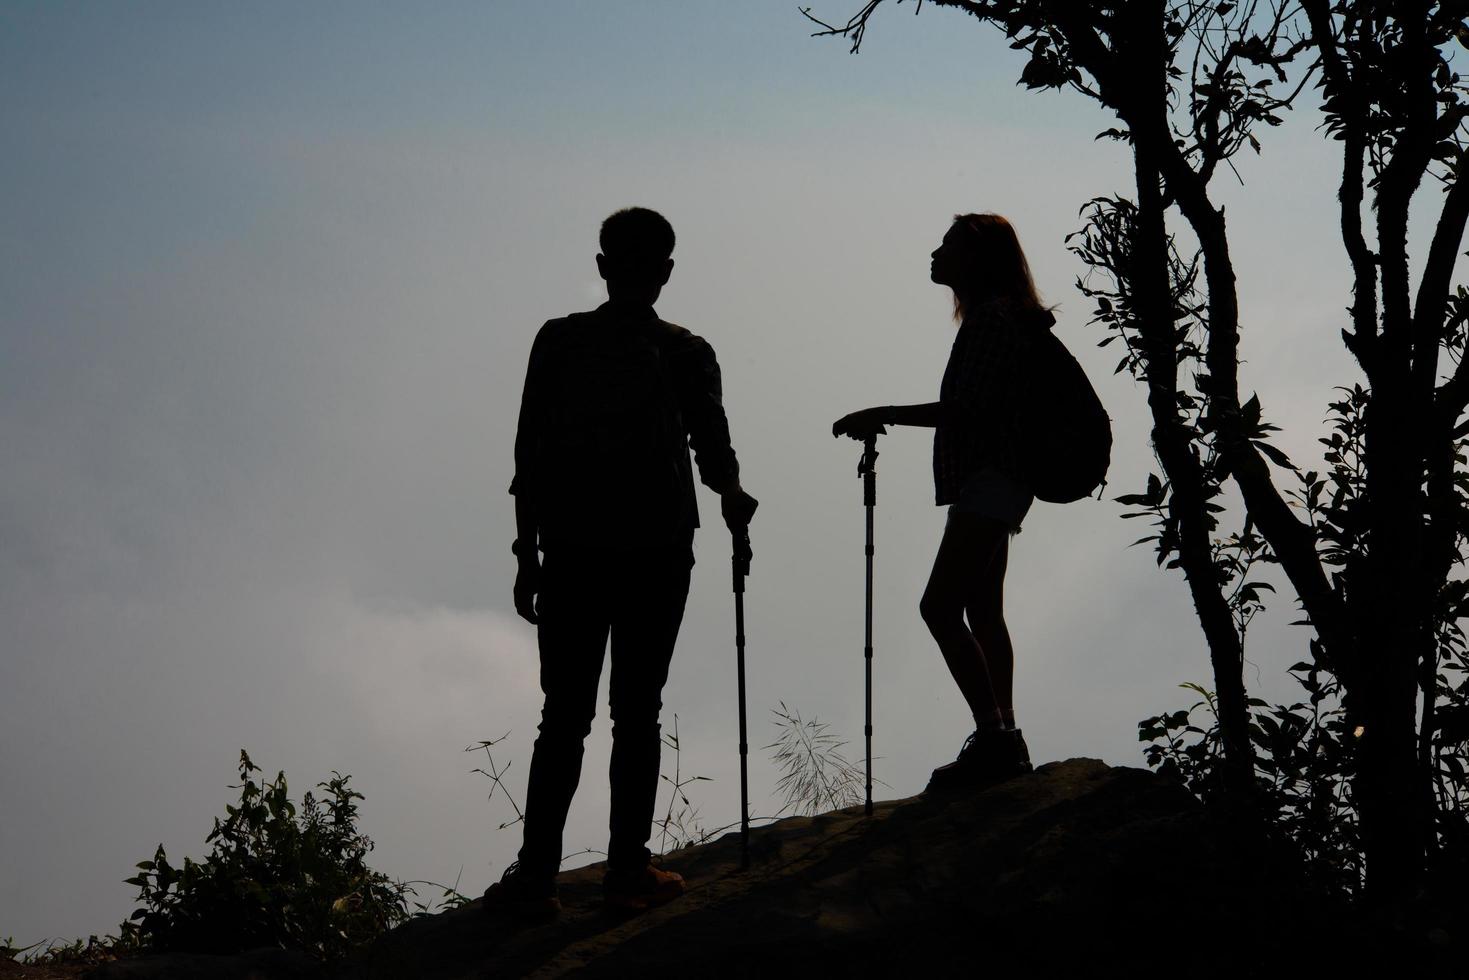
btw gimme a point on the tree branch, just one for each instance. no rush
(1453, 395)
(1397, 183)
(1292, 539)
(1438, 269)
(1344, 100)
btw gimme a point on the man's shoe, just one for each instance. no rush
(641, 890)
(521, 893)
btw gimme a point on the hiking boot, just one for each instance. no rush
(520, 893)
(1005, 757)
(638, 891)
(961, 770)
(987, 757)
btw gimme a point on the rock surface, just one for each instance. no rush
(1077, 868)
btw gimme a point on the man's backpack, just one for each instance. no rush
(1066, 433)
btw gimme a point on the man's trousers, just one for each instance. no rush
(637, 599)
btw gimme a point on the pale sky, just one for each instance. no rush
(268, 278)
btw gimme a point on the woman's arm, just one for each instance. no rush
(873, 421)
(928, 415)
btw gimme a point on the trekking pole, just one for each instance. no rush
(867, 469)
(741, 565)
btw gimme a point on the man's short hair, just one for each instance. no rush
(637, 235)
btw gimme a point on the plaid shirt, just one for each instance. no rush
(982, 391)
(569, 511)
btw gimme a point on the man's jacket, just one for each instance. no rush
(614, 399)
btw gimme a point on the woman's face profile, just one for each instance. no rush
(954, 261)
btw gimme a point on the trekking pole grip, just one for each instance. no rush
(867, 469)
(740, 558)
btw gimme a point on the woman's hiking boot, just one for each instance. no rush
(957, 773)
(640, 890)
(521, 893)
(1013, 755)
(987, 757)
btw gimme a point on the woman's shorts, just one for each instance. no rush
(996, 495)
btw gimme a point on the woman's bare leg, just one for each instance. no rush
(960, 573)
(985, 611)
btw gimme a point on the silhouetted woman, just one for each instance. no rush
(978, 473)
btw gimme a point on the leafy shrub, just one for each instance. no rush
(1305, 757)
(277, 876)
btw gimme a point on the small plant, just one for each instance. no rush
(277, 876)
(496, 775)
(1182, 751)
(450, 898)
(680, 826)
(77, 954)
(815, 775)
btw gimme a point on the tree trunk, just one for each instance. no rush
(1186, 504)
(1389, 783)
(1146, 98)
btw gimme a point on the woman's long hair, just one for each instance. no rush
(1000, 270)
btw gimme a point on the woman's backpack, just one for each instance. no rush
(1066, 433)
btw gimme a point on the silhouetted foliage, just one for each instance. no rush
(277, 875)
(1304, 763)
(84, 954)
(496, 775)
(1307, 753)
(681, 824)
(815, 775)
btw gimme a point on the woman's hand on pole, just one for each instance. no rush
(861, 425)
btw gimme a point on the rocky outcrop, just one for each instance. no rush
(1077, 868)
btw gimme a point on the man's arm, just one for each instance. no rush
(525, 485)
(703, 407)
(527, 561)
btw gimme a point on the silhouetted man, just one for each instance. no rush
(604, 488)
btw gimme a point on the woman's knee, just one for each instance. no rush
(984, 617)
(939, 611)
